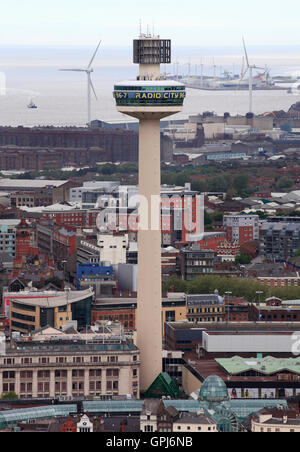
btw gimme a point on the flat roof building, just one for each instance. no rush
(30, 314)
(52, 363)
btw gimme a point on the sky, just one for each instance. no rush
(116, 22)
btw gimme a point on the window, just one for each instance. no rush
(44, 360)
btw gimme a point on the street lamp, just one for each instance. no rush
(64, 270)
(259, 293)
(227, 295)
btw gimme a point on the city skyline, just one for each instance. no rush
(149, 233)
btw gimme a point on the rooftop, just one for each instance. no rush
(242, 408)
(55, 301)
(265, 366)
(235, 327)
(194, 418)
(29, 184)
(205, 300)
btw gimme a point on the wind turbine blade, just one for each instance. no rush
(244, 73)
(247, 59)
(95, 53)
(72, 70)
(92, 86)
(243, 68)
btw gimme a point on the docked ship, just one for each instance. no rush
(31, 105)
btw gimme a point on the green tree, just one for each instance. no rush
(240, 287)
(199, 185)
(175, 284)
(218, 217)
(10, 396)
(262, 215)
(231, 193)
(218, 184)
(108, 169)
(242, 259)
(240, 183)
(207, 219)
(128, 168)
(284, 182)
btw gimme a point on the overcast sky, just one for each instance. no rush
(116, 22)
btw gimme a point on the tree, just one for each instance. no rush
(207, 219)
(262, 215)
(284, 182)
(108, 169)
(199, 185)
(218, 217)
(175, 284)
(128, 168)
(242, 260)
(10, 396)
(231, 193)
(240, 287)
(240, 183)
(218, 184)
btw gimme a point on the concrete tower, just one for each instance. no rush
(149, 98)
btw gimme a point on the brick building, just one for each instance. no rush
(76, 143)
(25, 241)
(123, 310)
(273, 275)
(283, 313)
(241, 228)
(45, 191)
(212, 241)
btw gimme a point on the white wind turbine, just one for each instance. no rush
(90, 85)
(250, 69)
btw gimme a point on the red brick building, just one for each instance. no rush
(118, 310)
(226, 248)
(212, 241)
(25, 241)
(69, 427)
(77, 145)
(241, 228)
(64, 243)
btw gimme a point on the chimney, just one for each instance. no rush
(123, 427)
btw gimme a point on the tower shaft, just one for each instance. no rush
(149, 306)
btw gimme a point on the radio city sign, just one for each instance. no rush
(149, 95)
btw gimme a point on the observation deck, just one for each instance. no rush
(151, 98)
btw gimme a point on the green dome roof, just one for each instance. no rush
(214, 390)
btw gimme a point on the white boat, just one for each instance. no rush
(31, 105)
